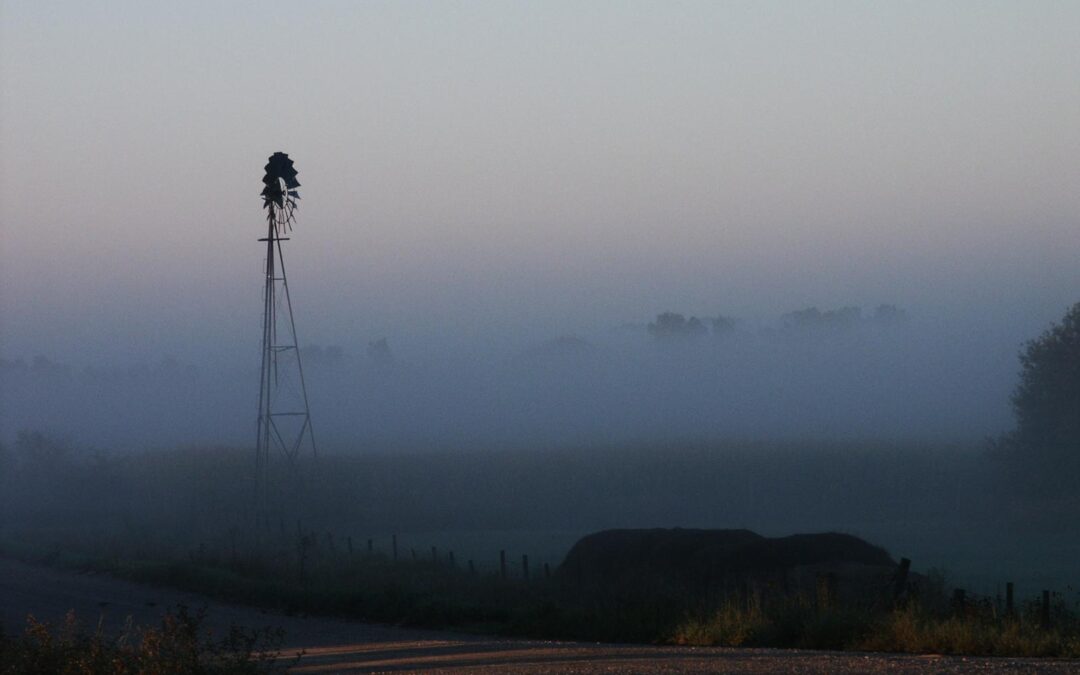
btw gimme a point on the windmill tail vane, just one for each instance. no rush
(279, 192)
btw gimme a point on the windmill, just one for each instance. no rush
(284, 421)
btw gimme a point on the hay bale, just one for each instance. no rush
(673, 561)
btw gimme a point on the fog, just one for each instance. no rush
(841, 374)
(480, 181)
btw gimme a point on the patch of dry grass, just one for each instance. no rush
(179, 645)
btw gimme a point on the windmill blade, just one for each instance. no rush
(279, 170)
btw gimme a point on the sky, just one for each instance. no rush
(494, 174)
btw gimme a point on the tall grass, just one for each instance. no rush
(979, 632)
(913, 628)
(179, 645)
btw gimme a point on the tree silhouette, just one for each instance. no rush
(1047, 399)
(1047, 406)
(671, 325)
(723, 325)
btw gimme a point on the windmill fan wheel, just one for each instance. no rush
(280, 186)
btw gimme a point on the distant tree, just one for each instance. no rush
(672, 325)
(802, 318)
(1047, 399)
(722, 325)
(666, 324)
(378, 351)
(35, 449)
(843, 317)
(889, 314)
(812, 317)
(317, 357)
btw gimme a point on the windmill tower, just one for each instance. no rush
(284, 421)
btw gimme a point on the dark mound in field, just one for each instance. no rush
(691, 558)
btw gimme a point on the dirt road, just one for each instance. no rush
(337, 646)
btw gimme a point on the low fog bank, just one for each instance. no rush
(838, 374)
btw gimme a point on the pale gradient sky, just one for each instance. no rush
(523, 170)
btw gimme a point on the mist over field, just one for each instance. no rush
(509, 195)
(879, 374)
(876, 421)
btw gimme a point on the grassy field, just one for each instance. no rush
(183, 519)
(441, 595)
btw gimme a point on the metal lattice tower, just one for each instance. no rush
(284, 421)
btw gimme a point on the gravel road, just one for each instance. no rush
(337, 646)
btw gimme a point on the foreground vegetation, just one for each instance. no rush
(182, 519)
(438, 594)
(179, 645)
(914, 628)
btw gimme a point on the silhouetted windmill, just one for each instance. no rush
(284, 421)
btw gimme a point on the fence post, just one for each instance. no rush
(959, 600)
(901, 579)
(305, 542)
(822, 592)
(502, 564)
